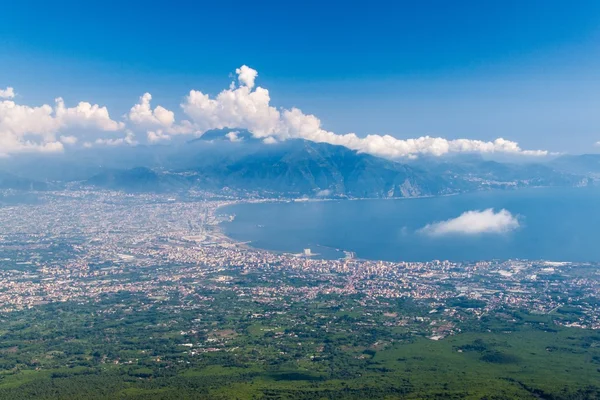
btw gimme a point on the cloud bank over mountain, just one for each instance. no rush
(242, 105)
(474, 223)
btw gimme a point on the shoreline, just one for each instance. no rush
(219, 228)
(340, 253)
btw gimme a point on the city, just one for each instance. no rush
(158, 286)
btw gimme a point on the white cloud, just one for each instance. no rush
(157, 136)
(233, 108)
(597, 144)
(7, 93)
(143, 115)
(233, 136)
(242, 107)
(85, 115)
(246, 75)
(25, 128)
(158, 123)
(473, 223)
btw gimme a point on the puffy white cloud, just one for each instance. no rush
(85, 115)
(233, 108)
(246, 75)
(8, 93)
(242, 107)
(157, 136)
(473, 223)
(25, 128)
(391, 147)
(143, 115)
(233, 136)
(158, 122)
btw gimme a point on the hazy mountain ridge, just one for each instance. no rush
(493, 174)
(293, 168)
(139, 179)
(11, 181)
(585, 164)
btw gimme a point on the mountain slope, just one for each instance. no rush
(291, 168)
(584, 164)
(477, 173)
(10, 181)
(138, 179)
(299, 167)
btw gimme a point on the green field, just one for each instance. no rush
(81, 353)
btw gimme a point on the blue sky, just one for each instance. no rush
(527, 71)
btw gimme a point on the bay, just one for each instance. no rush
(559, 224)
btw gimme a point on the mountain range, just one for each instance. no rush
(222, 160)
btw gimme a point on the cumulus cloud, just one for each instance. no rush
(234, 108)
(85, 115)
(474, 223)
(246, 75)
(7, 93)
(233, 136)
(159, 122)
(142, 114)
(242, 106)
(25, 128)
(157, 136)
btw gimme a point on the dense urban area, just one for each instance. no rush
(113, 295)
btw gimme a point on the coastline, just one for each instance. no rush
(336, 251)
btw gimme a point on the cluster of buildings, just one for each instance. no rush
(85, 246)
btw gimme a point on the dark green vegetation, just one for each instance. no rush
(131, 347)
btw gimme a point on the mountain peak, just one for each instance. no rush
(231, 135)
